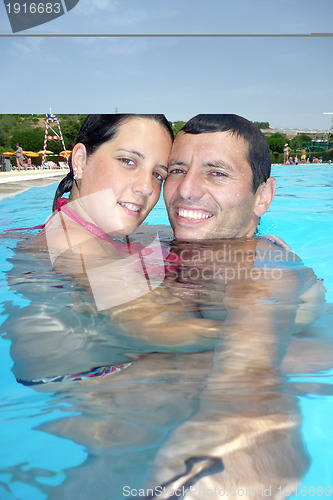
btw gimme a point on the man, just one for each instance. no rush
(218, 186)
(219, 180)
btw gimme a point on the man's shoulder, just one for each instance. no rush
(274, 249)
(285, 268)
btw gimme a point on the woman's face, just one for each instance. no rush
(121, 182)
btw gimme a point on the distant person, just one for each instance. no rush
(296, 160)
(329, 162)
(286, 151)
(30, 165)
(19, 158)
(315, 160)
(303, 156)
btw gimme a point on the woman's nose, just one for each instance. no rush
(143, 184)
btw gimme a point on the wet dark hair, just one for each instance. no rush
(95, 131)
(259, 156)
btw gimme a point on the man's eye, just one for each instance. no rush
(176, 171)
(218, 173)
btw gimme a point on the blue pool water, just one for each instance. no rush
(35, 462)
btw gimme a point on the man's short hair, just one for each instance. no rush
(259, 156)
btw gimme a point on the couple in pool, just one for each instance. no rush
(217, 185)
(216, 178)
(234, 315)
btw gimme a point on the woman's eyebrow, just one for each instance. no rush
(163, 166)
(136, 153)
(139, 155)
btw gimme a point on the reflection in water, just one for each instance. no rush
(202, 402)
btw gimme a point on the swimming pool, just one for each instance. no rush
(45, 456)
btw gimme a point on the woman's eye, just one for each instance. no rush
(159, 176)
(127, 161)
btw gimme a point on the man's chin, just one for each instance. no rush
(191, 234)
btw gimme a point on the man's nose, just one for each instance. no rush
(143, 184)
(191, 186)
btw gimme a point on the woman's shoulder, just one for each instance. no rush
(63, 235)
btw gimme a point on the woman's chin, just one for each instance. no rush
(126, 230)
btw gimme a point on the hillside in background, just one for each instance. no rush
(29, 131)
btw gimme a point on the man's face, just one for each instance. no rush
(208, 191)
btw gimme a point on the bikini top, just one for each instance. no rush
(63, 207)
(128, 247)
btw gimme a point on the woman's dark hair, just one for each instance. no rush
(259, 156)
(95, 131)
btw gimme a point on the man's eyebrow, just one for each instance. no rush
(136, 153)
(219, 164)
(174, 161)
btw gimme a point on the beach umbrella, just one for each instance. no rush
(46, 152)
(8, 154)
(31, 154)
(64, 155)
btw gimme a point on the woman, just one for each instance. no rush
(286, 151)
(19, 157)
(117, 168)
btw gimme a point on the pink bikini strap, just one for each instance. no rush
(96, 231)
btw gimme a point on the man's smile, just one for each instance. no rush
(193, 213)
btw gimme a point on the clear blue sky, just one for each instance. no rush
(286, 81)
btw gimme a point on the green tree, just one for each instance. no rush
(56, 146)
(70, 129)
(300, 141)
(29, 140)
(276, 142)
(176, 126)
(3, 138)
(262, 125)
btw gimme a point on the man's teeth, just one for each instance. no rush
(130, 206)
(192, 214)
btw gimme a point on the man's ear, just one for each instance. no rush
(264, 196)
(79, 159)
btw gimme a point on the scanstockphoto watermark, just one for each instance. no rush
(226, 274)
(227, 253)
(25, 14)
(227, 263)
(163, 492)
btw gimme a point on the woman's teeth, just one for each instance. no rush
(130, 206)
